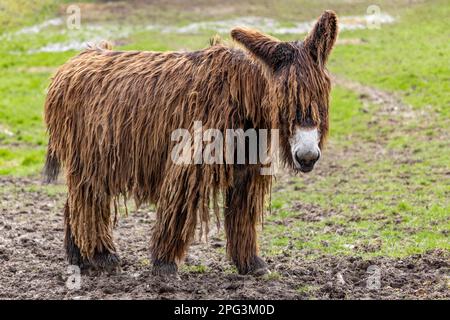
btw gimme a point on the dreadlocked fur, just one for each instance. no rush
(110, 115)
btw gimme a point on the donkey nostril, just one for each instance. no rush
(307, 163)
(307, 159)
(318, 157)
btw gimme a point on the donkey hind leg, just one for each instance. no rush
(176, 219)
(241, 218)
(103, 259)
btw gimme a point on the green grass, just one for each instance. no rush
(273, 276)
(17, 13)
(410, 57)
(194, 268)
(388, 193)
(306, 289)
(20, 161)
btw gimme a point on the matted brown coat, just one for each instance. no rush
(110, 115)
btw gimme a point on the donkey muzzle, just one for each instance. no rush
(305, 148)
(307, 159)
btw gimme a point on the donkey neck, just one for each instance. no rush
(230, 87)
(249, 88)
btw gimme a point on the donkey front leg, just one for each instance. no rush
(241, 217)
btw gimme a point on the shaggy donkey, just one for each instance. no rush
(110, 115)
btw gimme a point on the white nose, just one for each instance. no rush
(307, 158)
(305, 148)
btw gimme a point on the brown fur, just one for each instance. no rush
(110, 115)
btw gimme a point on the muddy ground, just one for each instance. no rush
(32, 264)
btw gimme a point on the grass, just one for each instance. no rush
(306, 290)
(16, 13)
(415, 64)
(194, 268)
(388, 189)
(21, 161)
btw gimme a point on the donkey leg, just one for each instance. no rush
(171, 237)
(73, 253)
(241, 218)
(176, 218)
(102, 256)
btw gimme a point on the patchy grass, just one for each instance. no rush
(410, 57)
(306, 290)
(273, 276)
(194, 268)
(20, 161)
(17, 13)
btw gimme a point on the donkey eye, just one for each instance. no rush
(298, 115)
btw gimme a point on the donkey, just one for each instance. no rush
(110, 115)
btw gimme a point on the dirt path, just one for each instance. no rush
(389, 102)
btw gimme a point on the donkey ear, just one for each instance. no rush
(321, 39)
(269, 50)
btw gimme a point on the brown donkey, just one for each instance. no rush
(110, 116)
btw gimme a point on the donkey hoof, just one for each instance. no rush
(105, 261)
(260, 272)
(161, 268)
(258, 267)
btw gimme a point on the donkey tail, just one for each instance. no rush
(51, 168)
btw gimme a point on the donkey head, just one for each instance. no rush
(298, 87)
